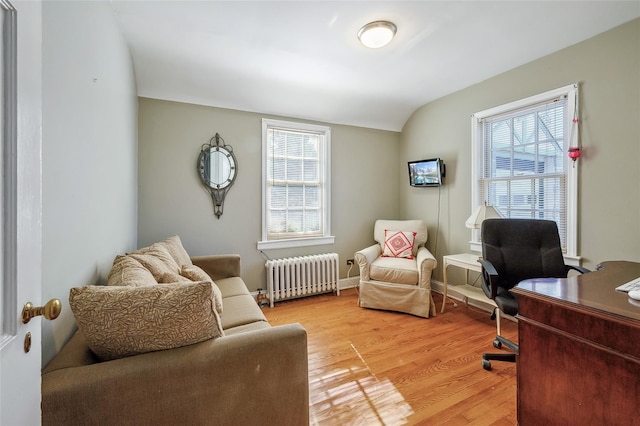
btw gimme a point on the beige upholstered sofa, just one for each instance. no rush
(244, 372)
(399, 283)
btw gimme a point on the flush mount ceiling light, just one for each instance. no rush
(377, 34)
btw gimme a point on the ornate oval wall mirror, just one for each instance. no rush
(217, 167)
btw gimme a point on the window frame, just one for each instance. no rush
(325, 179)
(571, 167)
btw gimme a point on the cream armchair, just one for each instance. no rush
(395, 283)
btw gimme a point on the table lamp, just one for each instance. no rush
(478, 216)
(481, 213)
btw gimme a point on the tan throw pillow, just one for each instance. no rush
(176, 250)
(171, 277)
(398, 244)
(128, 271)
(157, 260)
(124, 321)
(195, 273)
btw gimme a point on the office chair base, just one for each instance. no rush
(487, 358)
(501, 341)
(498, 343)
(486, 365)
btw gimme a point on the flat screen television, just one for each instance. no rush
(429, 172)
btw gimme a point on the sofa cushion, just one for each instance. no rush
(394, 270)
(232, 286)
(398, 244)
(252, 326)
(129, 272)
(195, 273)
(76, 353)
(157, 260)
(122, 321)
(240, 310)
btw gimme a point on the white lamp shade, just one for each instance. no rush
(377, 34)
(480, 214)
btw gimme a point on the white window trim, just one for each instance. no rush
(571, 92)
(265, 244)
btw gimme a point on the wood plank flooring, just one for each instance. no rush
(370, 367)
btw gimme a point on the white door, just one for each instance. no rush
(21, 266)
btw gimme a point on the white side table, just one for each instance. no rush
(469, 262)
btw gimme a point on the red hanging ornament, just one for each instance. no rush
(574, 152)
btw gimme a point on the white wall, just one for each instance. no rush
(172, 201)
(608, 69)
(89, 139)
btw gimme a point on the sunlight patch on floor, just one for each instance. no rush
(339, 393)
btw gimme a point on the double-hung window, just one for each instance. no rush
(295, 184)
(520, 161)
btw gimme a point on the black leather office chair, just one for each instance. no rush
(514, 250)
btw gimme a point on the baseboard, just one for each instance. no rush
(437, 286)
(351, 282)
(343, 284)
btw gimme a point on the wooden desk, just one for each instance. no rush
(579, 360)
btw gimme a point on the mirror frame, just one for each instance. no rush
(218, 191)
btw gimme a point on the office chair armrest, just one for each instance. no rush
(489, 279)
(491, 270)
(577, 268)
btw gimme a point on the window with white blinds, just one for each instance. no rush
(296, 184)
(522, 166)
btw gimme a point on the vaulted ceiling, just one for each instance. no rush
(302, 59)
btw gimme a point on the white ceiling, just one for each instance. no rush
(302, 59)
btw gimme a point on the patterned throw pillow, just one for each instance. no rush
(120, 321)
(176, 250)
(157, 260)
(128, 271)
(172, 277)
(398, 244)
(195, 273)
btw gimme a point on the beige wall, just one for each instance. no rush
(608, 70)
(172, 201)
(89, 163)
(95, 206)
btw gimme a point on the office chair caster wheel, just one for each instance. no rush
(486, 364)
(497, 344)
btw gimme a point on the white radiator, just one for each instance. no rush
(293, 277)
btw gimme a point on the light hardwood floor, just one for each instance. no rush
(369, 367)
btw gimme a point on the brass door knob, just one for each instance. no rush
(50, 311)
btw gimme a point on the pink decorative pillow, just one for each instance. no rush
(398, 244)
